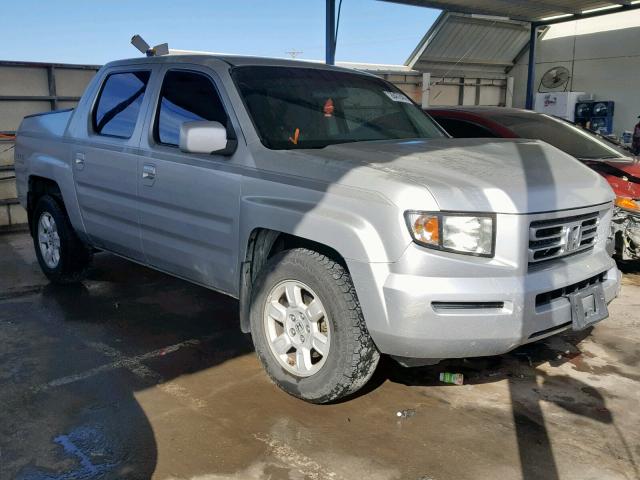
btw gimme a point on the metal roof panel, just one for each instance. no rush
(530, 11)
(462, 39)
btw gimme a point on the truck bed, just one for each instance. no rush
(46, 124)
(38, 138)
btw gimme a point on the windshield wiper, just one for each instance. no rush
(599, 158)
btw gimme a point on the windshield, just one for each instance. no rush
(560, 134)
(293, 107)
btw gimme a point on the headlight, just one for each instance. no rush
(453, 232)
(627, 204)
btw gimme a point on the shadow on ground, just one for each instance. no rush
(521, 369)
(74, 356)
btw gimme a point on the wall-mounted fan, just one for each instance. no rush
(555, 78)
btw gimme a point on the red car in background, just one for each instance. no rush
(614, 163)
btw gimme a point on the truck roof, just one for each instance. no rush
(232, 60)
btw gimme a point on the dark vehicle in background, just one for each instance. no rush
(614, 163)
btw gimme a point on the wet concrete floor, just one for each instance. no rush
(134, 375)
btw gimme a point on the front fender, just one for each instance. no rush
(344, 229)
(358, 239)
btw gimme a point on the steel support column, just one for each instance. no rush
(51, 77)
(330, 44)
(531, 69)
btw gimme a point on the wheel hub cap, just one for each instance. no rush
(49, 240)
(297, 328)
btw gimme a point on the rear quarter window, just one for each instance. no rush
(116, 111)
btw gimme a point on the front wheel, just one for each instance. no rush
(308, 329)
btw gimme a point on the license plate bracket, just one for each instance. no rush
(588, 306)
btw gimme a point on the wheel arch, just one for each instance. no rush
(324, 224)
(261, 245)
(38, 187)
(56, 173)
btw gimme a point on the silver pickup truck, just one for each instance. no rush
(342, 217)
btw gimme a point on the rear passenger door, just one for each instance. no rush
(105, 162)
(189, 203)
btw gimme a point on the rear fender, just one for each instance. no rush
(59, 171)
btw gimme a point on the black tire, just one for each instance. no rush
(75, 257)
(352, 356)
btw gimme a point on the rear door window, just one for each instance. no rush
(116, 111)
(559, 133)
(462, 129)
(186, 97)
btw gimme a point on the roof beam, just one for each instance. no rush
(68, 66)
(500, 22)
(466, 61)
(504, 11)
(503, 8)
(591, 14)
(445, 6)
(537, 3)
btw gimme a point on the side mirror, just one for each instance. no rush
(205, 137)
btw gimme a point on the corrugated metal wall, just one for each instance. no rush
(27, 88)
(468, 91)
(451, 90)
(410, 83)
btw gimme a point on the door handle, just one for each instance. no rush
(79, 160)
(148, 171)
(148, 174)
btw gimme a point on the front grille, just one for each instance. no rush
(559, 237)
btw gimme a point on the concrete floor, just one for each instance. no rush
(136, 375)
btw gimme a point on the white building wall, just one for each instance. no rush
(604, 55)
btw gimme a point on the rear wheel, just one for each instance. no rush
(63, 258)
(308, 328)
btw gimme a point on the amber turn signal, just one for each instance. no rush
(627, 204)
(426, 229)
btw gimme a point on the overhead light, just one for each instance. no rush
(599, 9)
(556, 17)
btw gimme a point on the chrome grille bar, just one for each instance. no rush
(558, 237)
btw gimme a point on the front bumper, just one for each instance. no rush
(436, 305)
(494, 315)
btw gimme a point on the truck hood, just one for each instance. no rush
(484, 175)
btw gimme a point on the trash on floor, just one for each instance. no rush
(453, 378)
(406, 413)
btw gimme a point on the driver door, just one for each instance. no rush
(189, 203)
